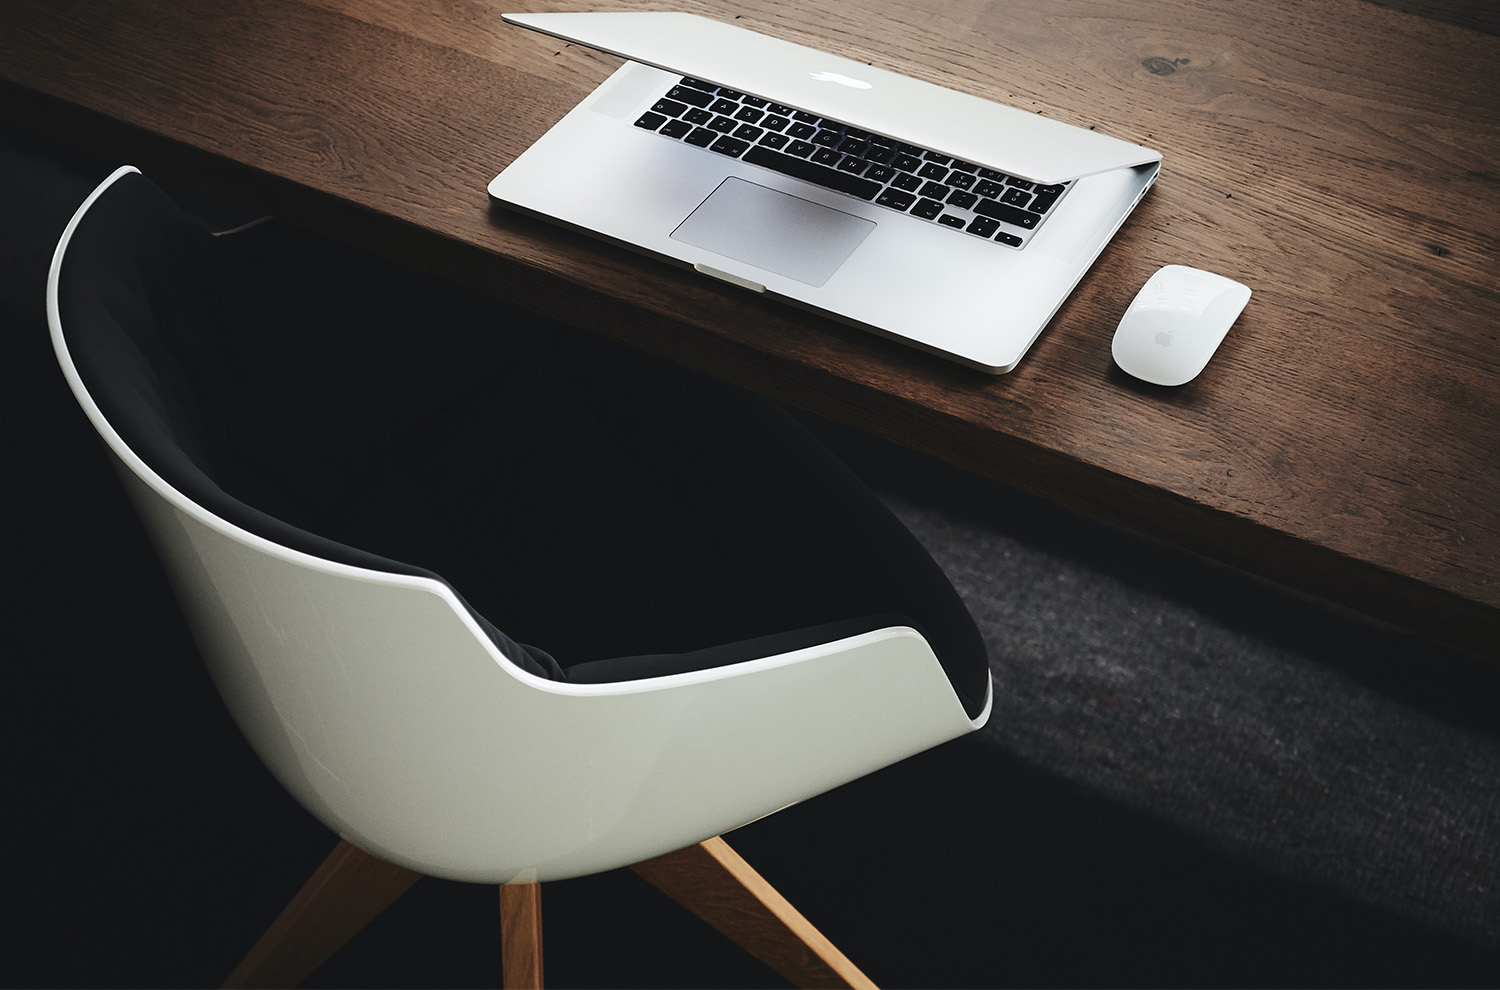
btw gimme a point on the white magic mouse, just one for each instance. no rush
(1175, 324)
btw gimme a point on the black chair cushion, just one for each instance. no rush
(149, 301)
(632, 518)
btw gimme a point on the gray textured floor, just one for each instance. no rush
(1268, 744)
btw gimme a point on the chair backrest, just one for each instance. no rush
(380, 700)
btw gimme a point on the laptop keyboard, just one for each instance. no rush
(978, 201)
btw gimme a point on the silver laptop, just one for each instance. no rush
(950, 222)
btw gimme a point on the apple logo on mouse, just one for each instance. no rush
(841, 79)
(1165, 338)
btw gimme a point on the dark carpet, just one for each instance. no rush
(1191, 778)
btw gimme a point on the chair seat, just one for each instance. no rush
(371, 489)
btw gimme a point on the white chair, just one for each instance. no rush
(429, 741)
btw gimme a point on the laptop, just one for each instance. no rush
(949, 222)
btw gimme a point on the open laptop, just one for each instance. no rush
(947, 221)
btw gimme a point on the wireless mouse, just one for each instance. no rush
(1175, 324)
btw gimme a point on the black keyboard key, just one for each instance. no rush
(802, 131)
(671, 108)
(697, 116)
(676, 128)
(650, 121)
(725, 107)
(853, 165)
(983, 226)
(969, 167)
(949, 220)
(773, 140)
(1006, 212)
(805, 117)
(1010, 239)
(905, 162)
(828, 139)
(933, 156)
(748, 132)
(881, 153)
(1044, 198)
(962, 200)
(724, 125)
(826, 156)
(881, 173)
(689, 94)
(960, 180)
(753, 101)
(779, 110)
(898, 200)
(801, 149)
(854, 146)
(1016, 197)
(702, 137)
(698, 84)
(749, 115)
(1011, 180)
(989, 188)
(799, 168)
(927, 209)
(733, 147)
(730, 94)
(774, 122)
(936, 190)
(907, 181)
(933, 171)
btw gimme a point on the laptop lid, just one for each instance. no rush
(966, 127)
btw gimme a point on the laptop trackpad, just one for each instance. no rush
(774, 230)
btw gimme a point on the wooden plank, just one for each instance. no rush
(521, 935)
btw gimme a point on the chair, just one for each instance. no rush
(405, 718)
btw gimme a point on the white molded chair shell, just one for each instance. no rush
(382, 705)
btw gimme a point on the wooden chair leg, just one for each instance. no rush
(344, 895)
(521, 936)
(711, 880)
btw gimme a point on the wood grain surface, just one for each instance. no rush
(1338, 156)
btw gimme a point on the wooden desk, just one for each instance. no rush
(1339, 156)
